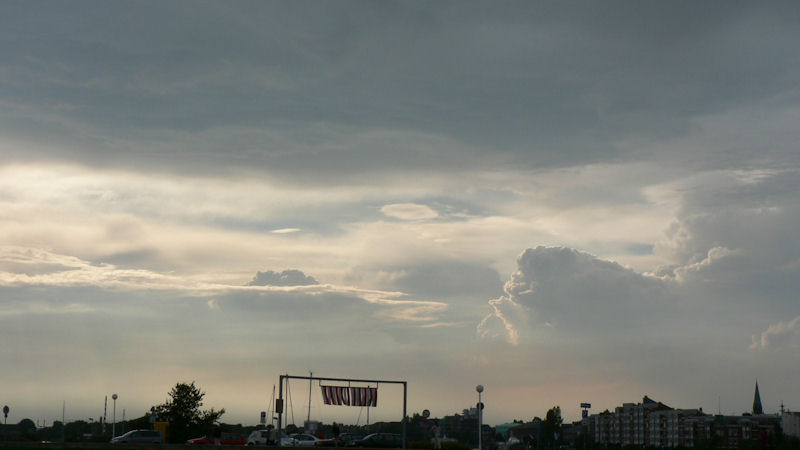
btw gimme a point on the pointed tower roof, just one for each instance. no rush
(757, 402)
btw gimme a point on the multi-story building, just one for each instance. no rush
(735, 432)
(790, 423)
(672, 427)
(464, 427)
(627, 425)
(652, 423)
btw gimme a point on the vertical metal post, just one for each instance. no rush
(405, 414)
(480, 420)
(280, 413)
(479, 388)
(114, 417)
(310, 380)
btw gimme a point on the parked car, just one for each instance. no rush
(224, 439)
(380, 440)
(259, 437)
(305, 440)
(140, 437)
(347, 439)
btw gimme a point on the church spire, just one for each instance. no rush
(757, 402)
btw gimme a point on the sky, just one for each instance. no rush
(565, 202)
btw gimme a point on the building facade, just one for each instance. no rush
(790, 423)
(655, 424)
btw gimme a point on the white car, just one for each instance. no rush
(140, 437)
(259, 437)
(305, 440)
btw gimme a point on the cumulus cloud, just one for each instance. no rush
(409, 211)
(290, 277)
(568, 290)
(696, 269)
(735, 237)
(782, 335)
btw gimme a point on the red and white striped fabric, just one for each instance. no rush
(364, 396)
(349, 396)
(336, 395)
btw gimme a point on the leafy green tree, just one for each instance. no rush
(182, 411)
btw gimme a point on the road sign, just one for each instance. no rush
(586, 405)
(263, 417)
(426, 413)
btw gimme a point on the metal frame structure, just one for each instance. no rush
(348, 380)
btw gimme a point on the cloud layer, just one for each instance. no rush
(562, 202)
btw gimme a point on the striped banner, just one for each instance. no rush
(364, 396)
(349, 396)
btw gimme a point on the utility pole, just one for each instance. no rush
(310, 379)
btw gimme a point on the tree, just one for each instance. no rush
(551, 427)
(27, 429)
(182, 411)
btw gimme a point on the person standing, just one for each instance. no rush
(437, 435)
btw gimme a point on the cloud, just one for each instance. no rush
(734, 237)
(570, 292)
(697, 269)
(391, 306)
(463, 280)
(409, 211)
(381, 97)
(290, 277)
(286, 230)
(779, 336)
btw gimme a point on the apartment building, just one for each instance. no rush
(627, 425)
(652, 423)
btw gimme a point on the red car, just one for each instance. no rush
(224, 439)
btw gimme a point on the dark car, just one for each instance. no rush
(347, 439)
(380, 440)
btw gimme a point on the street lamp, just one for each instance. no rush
(479, 388)
(114, 417)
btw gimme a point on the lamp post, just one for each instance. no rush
(479, 388)
(114, 417)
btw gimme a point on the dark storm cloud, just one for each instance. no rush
(330, 88)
